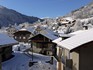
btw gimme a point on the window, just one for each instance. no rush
(20, 37)
(24, 37)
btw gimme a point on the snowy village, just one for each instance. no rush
(41, 47)
(61, 43)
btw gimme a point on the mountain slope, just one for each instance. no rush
(83, 12)
(9, 16)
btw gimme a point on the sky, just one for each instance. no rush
(44, 8)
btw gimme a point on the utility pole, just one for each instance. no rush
(0, 62)
(32, 51)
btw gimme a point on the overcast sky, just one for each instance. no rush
(44, 8)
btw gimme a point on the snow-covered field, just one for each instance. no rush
(21, 60)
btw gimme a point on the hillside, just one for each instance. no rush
(9, 16)
(83, 12)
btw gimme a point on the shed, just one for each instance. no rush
(76, 52)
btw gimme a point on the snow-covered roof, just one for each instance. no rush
(23, 29)
(50, 31)
(57, 40)
(5, 40)
(65, 35)
(69, 18)
(77, 40)
(68, 35)
(77, 32)
(64, 22)
(32, 29)
(48, 34)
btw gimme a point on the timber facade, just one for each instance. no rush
(22, 36)
(43, 45)
(80, 58)
(6, 53)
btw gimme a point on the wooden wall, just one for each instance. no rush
(6, 53)
(83, 57)
(22, 36)
(43, 45)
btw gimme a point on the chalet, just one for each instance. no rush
(65, 21)
(75, 53)
(42, 43)
(6, 44)
(23, 34)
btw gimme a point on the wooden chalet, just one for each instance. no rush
(66, 21)
(42, 43)
(23, 35)
(75, 53)
(6, 44)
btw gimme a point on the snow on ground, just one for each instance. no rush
(20, 61)
(42, 66)
(21, 47)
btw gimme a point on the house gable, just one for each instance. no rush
(40, 38)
